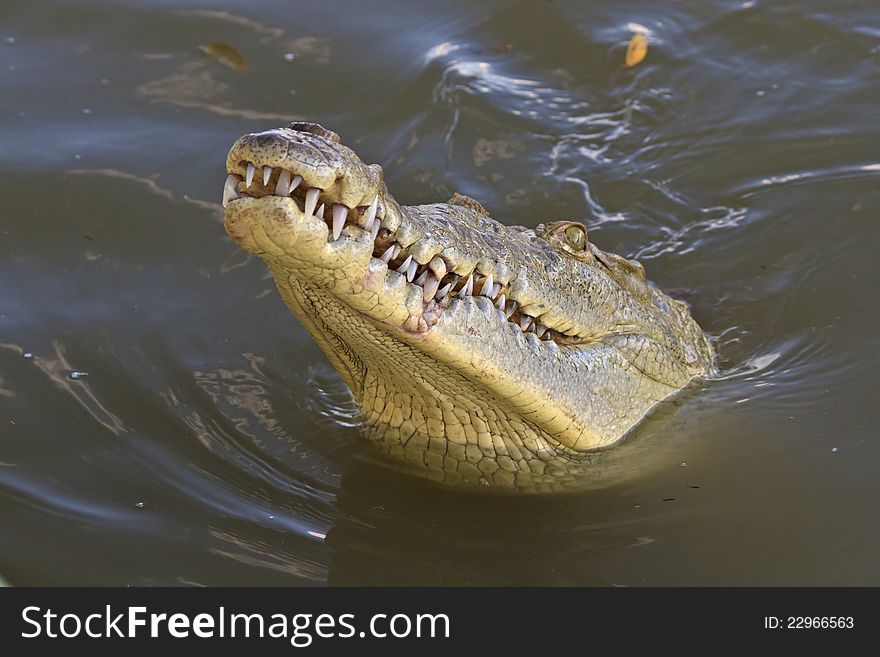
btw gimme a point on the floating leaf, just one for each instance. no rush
(225, 54)
(637, 49)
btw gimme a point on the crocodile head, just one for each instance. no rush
(478, 352)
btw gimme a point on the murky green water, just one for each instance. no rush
(165, 420)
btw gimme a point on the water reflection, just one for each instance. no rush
(457, 540)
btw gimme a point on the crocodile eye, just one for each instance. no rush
(576, 236)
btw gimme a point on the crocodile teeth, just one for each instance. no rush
(443, 291)
(468, 288)
(294, 184)
(389, 253)
(524, 322)
(421, 279)
(438, 267)
(371, 212)
(509, 308)
(405, 266)
(372, 224)
(411, 270)
(311, 201)
(540, 329)
(267, 173)
(430, 286)
(340, 212)
(495, 290)
(488, 285)
(230, 188)
(319, 213)
(249, 176)
(283, 183)
(499, 304)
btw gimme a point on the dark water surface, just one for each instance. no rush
(166, 420)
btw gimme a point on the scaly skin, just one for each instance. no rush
(447, 379)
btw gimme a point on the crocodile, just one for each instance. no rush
(479, 353)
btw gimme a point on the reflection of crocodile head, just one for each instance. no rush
(479, 352)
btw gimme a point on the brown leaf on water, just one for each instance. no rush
(225, 54)
(637, 49)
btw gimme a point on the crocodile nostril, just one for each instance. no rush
(315, 129)
(264, 139)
